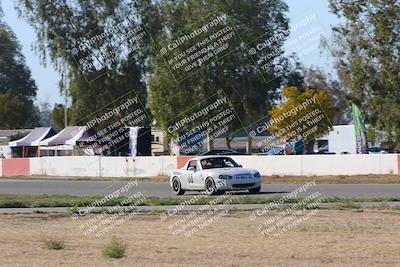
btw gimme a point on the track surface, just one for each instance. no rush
(162, 189)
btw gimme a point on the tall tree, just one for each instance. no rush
(235, 73)
(62, 27)
(366, 48)
(45, 114)
(57, 115)
(317, 80)
(17, 88)
(303, 115)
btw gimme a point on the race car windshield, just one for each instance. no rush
(214, 163)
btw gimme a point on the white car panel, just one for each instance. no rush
(239, 178)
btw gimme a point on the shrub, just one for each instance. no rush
(54, 243)
(115, 249)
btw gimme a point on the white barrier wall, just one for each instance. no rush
(349, 164)
(272, 165)
(115, 167)
(136, 167)
(154, 166)
(308, 165)
(389, 164)
(35, 166)
(71, 166)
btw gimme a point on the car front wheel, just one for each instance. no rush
(255, 190)
(177, 187)
(210, 187)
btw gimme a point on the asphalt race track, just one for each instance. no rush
(162, 189)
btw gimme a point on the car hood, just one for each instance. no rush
(231, 171)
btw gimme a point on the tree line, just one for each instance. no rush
(365, 47)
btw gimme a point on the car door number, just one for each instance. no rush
(190, 178)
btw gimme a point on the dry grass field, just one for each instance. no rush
(329, 238)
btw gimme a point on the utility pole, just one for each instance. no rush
(64, 87)
(65, 108)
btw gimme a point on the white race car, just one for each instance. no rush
(215, 174)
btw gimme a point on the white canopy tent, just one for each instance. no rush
(34, 138)
(64, 140)
(31, 142)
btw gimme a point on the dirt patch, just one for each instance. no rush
(329, 238)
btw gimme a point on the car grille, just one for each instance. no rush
(243, 176)
(243, 185)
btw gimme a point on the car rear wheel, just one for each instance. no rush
(177, 187)
(255, 190)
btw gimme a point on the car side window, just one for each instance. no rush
(192, 163)
(198, 166)
(228, 163)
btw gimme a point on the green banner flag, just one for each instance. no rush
(361, 132)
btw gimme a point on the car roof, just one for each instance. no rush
(209, 157)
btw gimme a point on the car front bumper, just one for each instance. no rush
(233, 184)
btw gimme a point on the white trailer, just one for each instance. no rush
(342, 140)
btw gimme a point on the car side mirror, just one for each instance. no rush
(193, 169)
(240, 166)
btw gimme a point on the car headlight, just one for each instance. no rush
(225, 177)
(257, 175)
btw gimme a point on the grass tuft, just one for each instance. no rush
(53, 243)
(349, 204)
(115, 249)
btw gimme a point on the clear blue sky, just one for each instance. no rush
(47, 78)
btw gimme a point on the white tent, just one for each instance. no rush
(64, 140)
(33, 138)
(67, 136)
